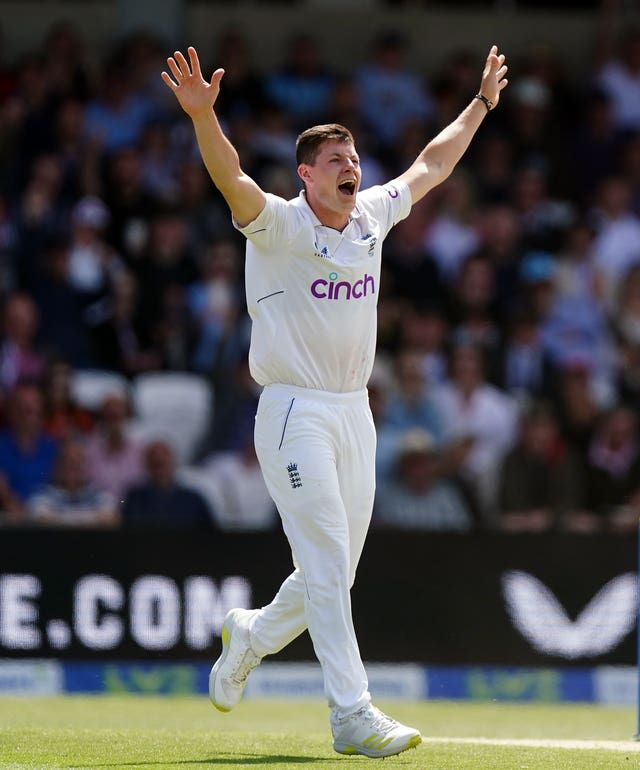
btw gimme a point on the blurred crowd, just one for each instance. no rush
(507, 385)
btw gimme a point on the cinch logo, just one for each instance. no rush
(335, 289)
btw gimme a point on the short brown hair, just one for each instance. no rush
(309, 142)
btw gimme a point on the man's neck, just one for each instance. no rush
(334, 219)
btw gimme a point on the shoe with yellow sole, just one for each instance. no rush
(370, 732)
(229, 673)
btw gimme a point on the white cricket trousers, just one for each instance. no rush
(317, 454)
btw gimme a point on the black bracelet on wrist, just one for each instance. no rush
(487, 102)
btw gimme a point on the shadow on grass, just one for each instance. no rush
(241, 760)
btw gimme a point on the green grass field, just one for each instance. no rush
(150, 733)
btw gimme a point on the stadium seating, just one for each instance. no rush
(89, 387)
(173, 406)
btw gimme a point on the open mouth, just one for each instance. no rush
(348, 187)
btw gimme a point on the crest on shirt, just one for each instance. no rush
(294, 475)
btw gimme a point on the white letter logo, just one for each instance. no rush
(19, 612)
(542, 620)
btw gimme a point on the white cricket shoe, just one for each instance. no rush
(372, 733)
(229, 673)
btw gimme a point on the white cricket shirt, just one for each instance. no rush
(312, 291)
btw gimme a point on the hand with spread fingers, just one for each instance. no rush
(195, 95)
(493, 76)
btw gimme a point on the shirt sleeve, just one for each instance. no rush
(388, 203)
(274, 226)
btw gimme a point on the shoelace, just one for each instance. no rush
(381, 723)
(244, 666)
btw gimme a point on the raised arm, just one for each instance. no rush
(197, 97)
(438, 159)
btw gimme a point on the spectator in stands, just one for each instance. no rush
(141, 53)
(160, 501)
(20, 358)
(595, 147)
(159, 161)
(269, 141)
(204, 208)
(241, 501)
(244, 88)
(173, 332)
(38, 213)
(454, 458)
(410, 403)
(31, 114)
(390, 93)
(501, 244)
(27, 453)
(114, 460)
(536, 283)
(79, 159)
(543, 218)
(120, 340)
(471, 408)
(544, 61)
(540, 481)
(452, 234)
(302, 87)
(63, 417)
(215, 302)
(65, 333)
(452, 84)
(613, 471)
(166, 262)
(71, 500)
(474, 312)
(522, 367)
(571, 326)
(413, 273)
(619, 71)
(575, 274)
(236, 400)
(416, 496)
(617, 243)
(493, 171)
(116, 118)
(576, 404)
(65, 62)
(426, 332)
(93, 264)
(129, 202)
(532, 128)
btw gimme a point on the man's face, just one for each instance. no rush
(333, 180)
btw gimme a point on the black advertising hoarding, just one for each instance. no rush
(482, 599)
